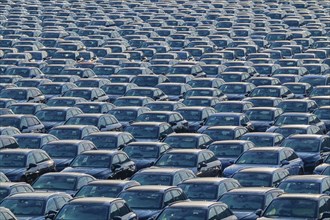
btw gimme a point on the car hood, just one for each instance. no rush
(245, 215)
(229, 171)
(144, 214)
(88, 170)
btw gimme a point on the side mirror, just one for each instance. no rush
(32, 165)
(50, 215)
(163, 136)
(24, 127)
(201, 165)
(285, 162)
(115, 166)
(258, 212)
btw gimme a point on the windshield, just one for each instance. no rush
(92, 160)
(61, 102)
(191, 115)
(143, 199)
(259, 141)
(200, 83)
(293, 106)
(10, 121)
(140, 92)
(177, 160)
(84, 211)
(128, 102)
(114, 90)
(51, 115)
(320, 91)
(233, 89)
(61, 150)
(111, 191)
(197, 102)
(56, 182)
(66, 134)
(28, 142)
(200, 191)
(183, 214)
(259, 157)
(302, 144)
(180, 70)
(199, 93)
(260, 115)
(250, 179)
(124, 115)
(299, 208)
(82, 121)
(229, 107)
(153, 179)
(243, 202)
(89, 108)
(259, 92)
(79, 93)
(220, 120)
(220, 134)
(25, 207)
(23, 109)
(294, 119)
(170, 89)
(50, 89)
(300, 187)
(226, 150)
(4, 193)
(13, 94)
(296, 89)
(142, 152)
(143, 131)
(12, 160)
(153, 117)
(103, 142)
(323, 114)
(182, 142)
(314, 81)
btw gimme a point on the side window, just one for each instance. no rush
(223, 188)
(31, 159)
(177, 179)
(123, 158)
(201, 158)
(29, 122)
(291, 155)
(115, 159)
(212, 214)
(122, 209)
(325, 143)
(223, 212)
(102, 123)
(283, 156)
(178, 195)
(51, 206)
(39, 158)
(168, 198)
(60, 202)
(114, 211)
(82, 181)
(326, 186)
(324, 205)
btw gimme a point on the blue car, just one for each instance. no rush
(267, 157)
(312, 149)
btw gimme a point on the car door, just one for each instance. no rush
(43, 162)
(128, 166)
(295, 165)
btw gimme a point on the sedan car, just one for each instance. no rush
(96, 208)
(69, 183)
(35, 204)
(267, 157)
(10, 188)
(102, 164)
(202, 162)
(262, 117)
(208, 189)
(248, 202)
(264, 139)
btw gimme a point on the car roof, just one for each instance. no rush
(158, 188)
(194, 204)
(69, 174)
(208, 180)
(19, 150)
(160, 170)
(99, 200)
(306, 178)
(253, 190)
(302, 196)
(260, 169)
(36, 195)
(112, 182)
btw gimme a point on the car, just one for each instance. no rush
(102, 164)
(128, 114)
(103, 122)
(298, 105)
(148, 201)
(196, 116)
(25, 123)
(208, 188)
(110, 140)
(96, 208)
(54, 116)
(64, 101)
(311, 184)
(297, 119)
(55, 89)
(74, 132)
(272, 91)
(237, 90)
(23, 94)
(105, 188)
(267, 157)
(68, 183)
(33, 140)
(299, 89)
(249, 202)
(202, 162)
(260, 176)
(298, 206)
(162, 176)
(35, 204)
(322, 114)
(145, 154)
(227, 119)
(197, 210)
(149, 131)
(32, 163)
(264, 139)
(27, 107)
(188, 141)
(164, 105)
(175, 119)
(90, 94)
(10, 188)
(262, 117)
